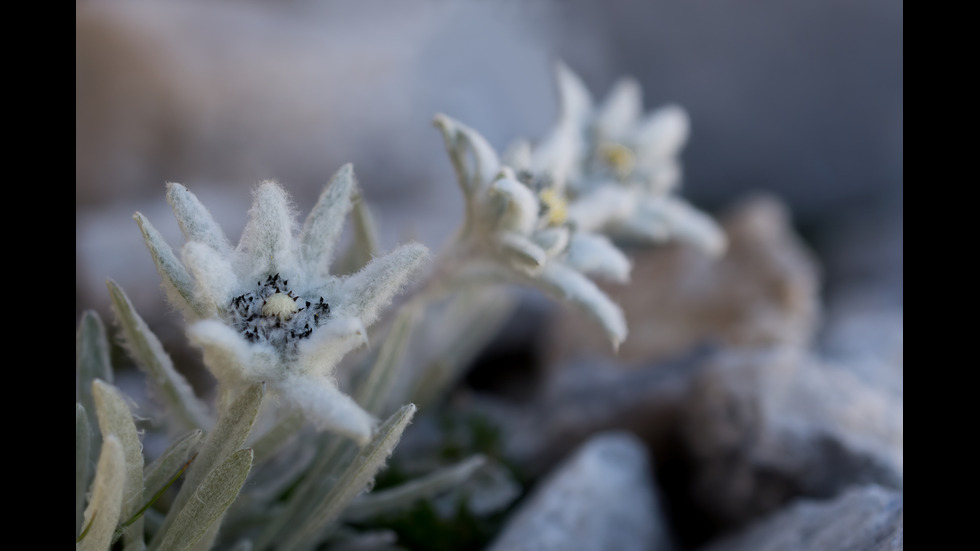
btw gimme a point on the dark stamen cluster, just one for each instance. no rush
(247, 315)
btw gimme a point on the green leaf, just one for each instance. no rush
(403, 496)
(102, 513)
(83, 440)
(115, 419)
(353, 481)
(186, 410)
(226, 438)
(212, 497)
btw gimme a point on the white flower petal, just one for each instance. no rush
(462, 141)
(365, 293)
(576, 101)
(679, 220)
(266, 246)
(214, 277)
(177, 281)
(520, 253)
(559, 153)
(620, 110)
(230, 358)
(569, 285)
(518, 155)
(658, 176)
(597, 209)
(195, 220)
(594, 254)
(663, 133)
(520, 206)
(327, 407)
(321, 353)
(326, 221)
(552, 240)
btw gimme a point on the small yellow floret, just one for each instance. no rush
(279, 305)
(556, 205)
(619, 157)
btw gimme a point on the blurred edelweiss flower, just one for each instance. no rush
(268, 309)
(516, 228)
(619, 166)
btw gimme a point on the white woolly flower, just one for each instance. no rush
(620, 166)
(516, 228)
(268, 309)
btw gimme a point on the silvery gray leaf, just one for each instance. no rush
(184, 409)
(159, 473)
(104, 508)
(91, 363)
(376, 387)
(273, 440)
(364, 244)
(404, 495)
(83, 442)
(216, 492)
(115, 419)
(353, 481)
(225, 439)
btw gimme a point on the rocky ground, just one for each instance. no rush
(740, 414)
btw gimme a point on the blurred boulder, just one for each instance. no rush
(867, 518)
(600, 498)
(764, 291)
(765, 426)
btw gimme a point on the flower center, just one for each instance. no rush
(273, 314)
(619, 157)
(553, 206)
(280, 305)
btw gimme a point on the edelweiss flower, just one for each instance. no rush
(516, 228)
(619, 166)
(268, 309)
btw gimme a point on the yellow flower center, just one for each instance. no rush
(556, 208)
(619, 157)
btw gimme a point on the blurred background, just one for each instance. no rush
(802, 100)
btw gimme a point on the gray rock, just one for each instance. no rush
(766, 426)
(869, 518)
(601, 498)
(763, 292)
(587, 397)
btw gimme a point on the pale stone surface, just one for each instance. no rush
(763, 291)
(601, 498)
(868, 518)
(766, 426)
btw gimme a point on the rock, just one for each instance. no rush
(584, 398)
(869, 518)
(869, 342)
(601, 498)
(762, 292)
(766, 426)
